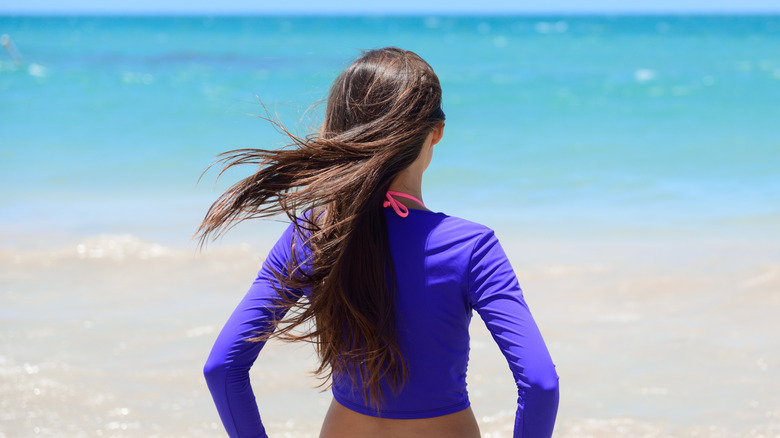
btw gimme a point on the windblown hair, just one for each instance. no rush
(331, 185)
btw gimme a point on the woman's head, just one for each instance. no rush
(386, 95)
(379, 112)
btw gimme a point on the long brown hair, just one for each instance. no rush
(331, 185)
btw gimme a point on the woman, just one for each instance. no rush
(388, 284)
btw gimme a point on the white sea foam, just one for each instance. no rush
(762, 278)
(644, 74)
(119, 248)
(200, 331)
(137, 78)
(545, 27)
(37, 70)
(432, 22)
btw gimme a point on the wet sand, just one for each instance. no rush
(651, 337)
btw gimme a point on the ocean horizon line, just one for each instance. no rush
(392, 14)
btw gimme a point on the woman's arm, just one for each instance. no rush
(496, 296)
(227, 368)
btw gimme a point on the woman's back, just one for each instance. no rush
(430, 255)
(445, 267)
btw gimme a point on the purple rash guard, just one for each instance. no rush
(445, 267)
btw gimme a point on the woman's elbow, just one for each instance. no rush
(548, 392)
(214, 370)
(544, 389)
(542, 379)
(538, 402)
(548, 382)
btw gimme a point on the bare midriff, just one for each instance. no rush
(341, 422)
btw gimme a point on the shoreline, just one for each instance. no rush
(655, 338)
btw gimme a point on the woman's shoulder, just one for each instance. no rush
(441, 227)
(459, 223)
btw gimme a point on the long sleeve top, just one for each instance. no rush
(446, 267)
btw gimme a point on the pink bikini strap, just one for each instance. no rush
(399, 208)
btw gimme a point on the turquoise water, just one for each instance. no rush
(555, 124)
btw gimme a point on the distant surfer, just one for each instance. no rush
(9, 47)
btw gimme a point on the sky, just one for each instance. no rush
(385, 6)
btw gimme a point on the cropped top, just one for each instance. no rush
(445, 268)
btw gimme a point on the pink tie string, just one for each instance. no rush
(399, 208)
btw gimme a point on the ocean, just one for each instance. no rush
(629, 164)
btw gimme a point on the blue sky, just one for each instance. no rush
(386, 6)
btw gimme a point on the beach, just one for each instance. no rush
(628, 166)
(647, 341)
